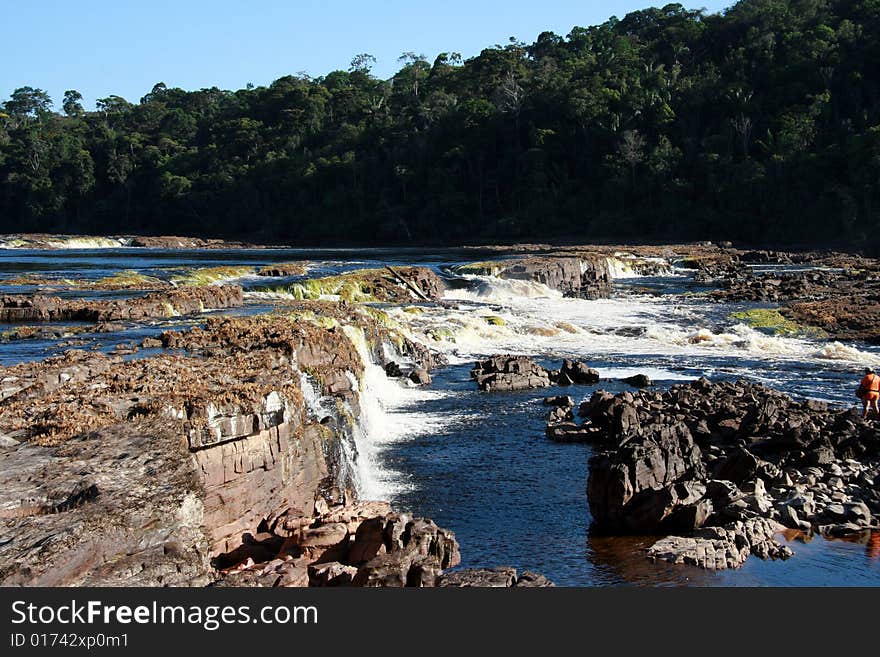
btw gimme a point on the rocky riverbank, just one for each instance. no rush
(839, 294)
(210, 465)
(167, 303)
(723, 467)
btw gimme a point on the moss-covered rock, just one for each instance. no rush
(370, 286)
(129, 280)
(211, 275)
(772, 321)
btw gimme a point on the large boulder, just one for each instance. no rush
(587, 276)
(509, 373)
(651, 483)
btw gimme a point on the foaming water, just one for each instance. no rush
(536, 319)
(487, 289)
(388, 414)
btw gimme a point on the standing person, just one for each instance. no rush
(869, 392)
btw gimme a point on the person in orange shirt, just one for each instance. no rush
(874, 545)
(869, 392)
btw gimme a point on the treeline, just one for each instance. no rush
(761, 124)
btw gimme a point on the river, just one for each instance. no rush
(478, 463)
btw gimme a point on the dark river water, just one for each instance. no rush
(479, 463)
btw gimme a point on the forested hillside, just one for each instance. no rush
(758, 125)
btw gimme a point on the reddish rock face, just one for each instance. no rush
(230, 416)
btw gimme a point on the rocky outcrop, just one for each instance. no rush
(208, 467)
(120, 506)
(520, 373)
(167, 303)
(363, 544)
(709, 460)
(509, 373)
(587, 277)
(638, 381)
(844, 317)
(653, 483)
(389, 285)
(176, 242)
(232, 414)
(838, 294)
(722, 548)
(774, 287)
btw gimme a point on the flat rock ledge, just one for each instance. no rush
(722, 548)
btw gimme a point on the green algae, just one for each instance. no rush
(128, 279)
(211, 275)
(354, 287)
(772, 321)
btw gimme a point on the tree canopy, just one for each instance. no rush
(761, 124)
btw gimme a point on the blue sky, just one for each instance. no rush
(123, 47)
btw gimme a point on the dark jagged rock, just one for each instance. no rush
(650, 484)
(710, 460)
(570, 432)
(562, 401)
(559, 414)
(579, 373)
(420, 376)
(521, 372)
(588, 277)
(509, 373)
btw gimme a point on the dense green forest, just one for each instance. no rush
(761, 124)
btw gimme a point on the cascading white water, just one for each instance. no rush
(319, 408)
(388, 413)
(535, 319)
(625, 265)
(316, 405)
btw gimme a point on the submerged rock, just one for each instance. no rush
(638, 381)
